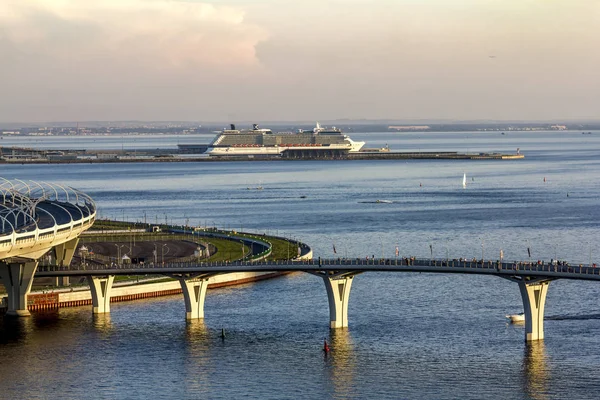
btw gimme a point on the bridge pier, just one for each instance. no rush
(194, 292)
(17, 278)
(534, 300)
(100, 288)
(65, 251)
(338, 287)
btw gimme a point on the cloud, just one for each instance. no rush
(149, 34)
(285, 59)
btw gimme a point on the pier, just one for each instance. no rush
(16, 155)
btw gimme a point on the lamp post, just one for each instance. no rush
(118, 254)
(482, 250)
(447, 255)
(163, 253)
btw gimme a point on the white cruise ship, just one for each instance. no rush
(256, 142)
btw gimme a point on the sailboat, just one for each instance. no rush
(464, 180)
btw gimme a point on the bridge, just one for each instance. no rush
(338, 275)
(37, 218)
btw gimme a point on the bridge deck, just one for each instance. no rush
(505, 269)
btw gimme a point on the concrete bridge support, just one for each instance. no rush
(65, 251)
(338, 293)
(194, 292)
(100, 288)
(534, 299)
(17, 277)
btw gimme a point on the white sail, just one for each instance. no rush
(464, 180)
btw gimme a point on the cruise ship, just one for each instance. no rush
(319, 142)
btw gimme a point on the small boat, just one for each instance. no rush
(384, 201)
(516, 318)
(464, 183)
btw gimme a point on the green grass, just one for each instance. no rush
(282, 249)
(226, 249)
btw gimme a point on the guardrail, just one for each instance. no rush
(517, 268)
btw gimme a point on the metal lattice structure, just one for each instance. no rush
(34, 215)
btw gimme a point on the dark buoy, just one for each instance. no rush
(223, 333)
(325, 346)
(420, 184)
(544, 179)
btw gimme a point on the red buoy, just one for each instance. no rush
(325, 346)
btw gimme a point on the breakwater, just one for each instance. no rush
(40, 158)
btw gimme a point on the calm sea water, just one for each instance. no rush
(410, 335)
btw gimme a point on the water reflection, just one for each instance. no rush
(342, 361)
(535, 370)
(196, 331)
(198, 358)
(16, 330)
(102, 323)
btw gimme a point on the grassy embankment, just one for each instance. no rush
(281, 249)
(226, 249)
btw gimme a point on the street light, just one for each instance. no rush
(118, 254)
(447, 256)
(119, 247)
(482, 250)
(163, 252)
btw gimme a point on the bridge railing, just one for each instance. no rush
(433, 265)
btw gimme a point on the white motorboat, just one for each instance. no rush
(516, 318)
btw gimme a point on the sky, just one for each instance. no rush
(288, 60)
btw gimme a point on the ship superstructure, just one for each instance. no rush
(258, 142)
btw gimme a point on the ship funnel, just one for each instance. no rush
(232, 127)
(255, 126)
